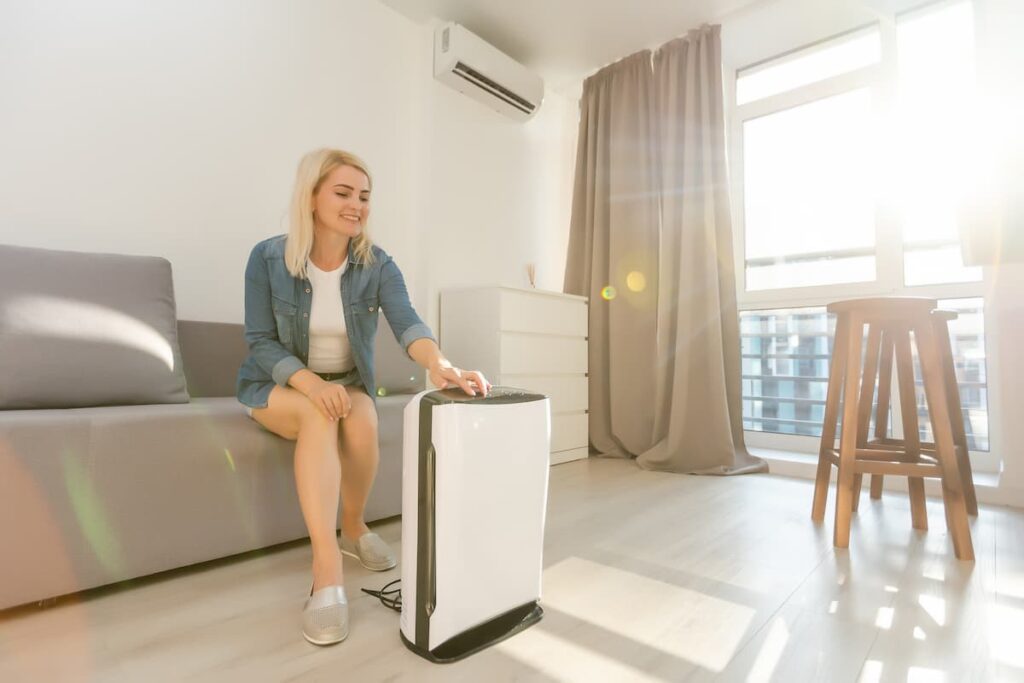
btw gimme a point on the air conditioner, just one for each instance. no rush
(476, 68)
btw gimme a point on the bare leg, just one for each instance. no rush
(360, 455)
(317, 470)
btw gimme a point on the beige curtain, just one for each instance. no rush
(664, 361)
(613, 233)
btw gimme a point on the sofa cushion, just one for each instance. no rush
(212, 354)
(80, 329)
(91, 496)
(396, 372)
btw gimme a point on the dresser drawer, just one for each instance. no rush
(526, 312)
(568, 393)
(558, 457)
(569, 431)
(536, 354)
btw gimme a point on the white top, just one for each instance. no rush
(329, 347)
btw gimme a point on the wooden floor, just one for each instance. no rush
(648, 577)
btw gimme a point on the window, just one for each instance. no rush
(808, 194)
(785, 355)
(967, 338)
(809, 65)
(850, 157)
(935, 89)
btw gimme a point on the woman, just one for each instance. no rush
(311, 304)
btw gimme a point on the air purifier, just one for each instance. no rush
(474, 497)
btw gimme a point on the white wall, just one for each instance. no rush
(496, 194)
(174, 128)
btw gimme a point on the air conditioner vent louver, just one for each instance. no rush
(496, 89)
(481, 71)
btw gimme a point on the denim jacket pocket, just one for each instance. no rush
(364, 312)
(284, 316)
(368, 306)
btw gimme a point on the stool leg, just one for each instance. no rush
(938, 409)
(876, 486)
(882, 411)
(858, 484)
(911, 436)
(828, 427)
(956, 415)
(848, 440)
(918, 507)
(867, 393)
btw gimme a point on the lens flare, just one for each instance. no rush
(608, 293)
(90, 514)
(381, 391)
(636, 281)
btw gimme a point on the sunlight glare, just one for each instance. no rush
(771, 651)
(681, 622)
(1005, 626)
(82, 320)
(871, 673)
(935, 607)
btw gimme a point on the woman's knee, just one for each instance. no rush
(309, 416)
(289, 413)
(361, 402)
(360, 426)
(358, 431)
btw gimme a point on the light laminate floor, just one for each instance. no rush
(648, 577)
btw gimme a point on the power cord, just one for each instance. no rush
(391, 599)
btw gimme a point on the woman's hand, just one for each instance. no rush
(443, 374)
(331, 399)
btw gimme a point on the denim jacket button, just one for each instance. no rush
(305, 315)
(307, 290)
(370, 309)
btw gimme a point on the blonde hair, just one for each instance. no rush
(313, 168)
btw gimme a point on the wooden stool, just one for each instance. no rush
(890, 322)
(940, 322)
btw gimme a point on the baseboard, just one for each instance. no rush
(804, 466)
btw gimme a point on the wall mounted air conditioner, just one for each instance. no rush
(476, 68)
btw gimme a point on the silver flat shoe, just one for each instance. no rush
(371, 551)
(325, 616)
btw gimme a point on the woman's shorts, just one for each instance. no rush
(345, 379)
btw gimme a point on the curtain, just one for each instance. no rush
(613, 233)
(651, 245)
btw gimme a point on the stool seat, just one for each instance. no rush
(891, 324)
(885, 308)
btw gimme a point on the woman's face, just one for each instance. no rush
(342, 204)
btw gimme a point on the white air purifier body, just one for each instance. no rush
(474, 499)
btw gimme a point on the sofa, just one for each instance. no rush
(123, 451)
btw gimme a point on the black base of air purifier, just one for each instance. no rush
(480, 637)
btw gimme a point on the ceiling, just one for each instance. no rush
(566, 40)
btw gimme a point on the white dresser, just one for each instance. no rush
(528, 339)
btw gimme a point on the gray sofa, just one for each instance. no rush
(95, 494)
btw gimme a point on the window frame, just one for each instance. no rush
(880, 79)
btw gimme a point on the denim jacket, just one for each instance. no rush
(277, 317)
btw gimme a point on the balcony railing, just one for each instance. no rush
(785, 357)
